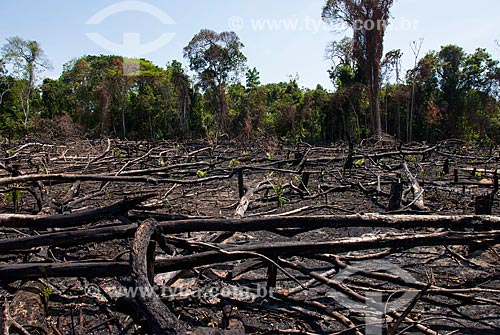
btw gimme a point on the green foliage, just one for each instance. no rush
(252, 79)
(201, 174)
(218, 60)
(168, 203)
(15, 197)
(155, 103)
(234, 163)
(278, 191)
(27, 59)
(118, 153)
(46, 293)
(360, 163)
(456, 95)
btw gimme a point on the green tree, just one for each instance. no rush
(451, 59)
(283, 109)
(393, 95)
(368, 18)
(54, 101)
(218, 60)
(252, 79)
(456, 94)
(392, 64)
(341, 52)
(10, 110)
(346, 116)
(182, 86)
(28, 60)
(4, 80)
(482, 82)
(423, 92)
(315, 103)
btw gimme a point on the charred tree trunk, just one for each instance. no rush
(160, 318)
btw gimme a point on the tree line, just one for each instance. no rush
(448, 93)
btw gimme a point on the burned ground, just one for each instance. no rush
(222, 225)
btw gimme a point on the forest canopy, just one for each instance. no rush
(449, 93)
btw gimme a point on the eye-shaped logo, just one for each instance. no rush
(132, 44)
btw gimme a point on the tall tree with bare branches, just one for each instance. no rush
(368, 19)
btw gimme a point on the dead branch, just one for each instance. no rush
(11, 272)
(160, 318)
(418, 191)
(7, 322)
(245, 201)
(70, 220)
(67, 238)
(335, 221)
(62, 177)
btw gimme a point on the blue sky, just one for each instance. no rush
(291, 42)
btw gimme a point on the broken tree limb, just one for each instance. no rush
(70, 220)
(160, 318)
(312, 248)
(245, 201)
(67, 238)
(165, 169)
(395, 279)
(62, 177)
(418, 191)
(334, 221)
(12, 272)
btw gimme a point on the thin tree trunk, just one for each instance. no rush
(376, 109)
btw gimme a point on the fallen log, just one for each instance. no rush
(314, 248)
(67, 238)
(77, 237)
(12, 272)
(335, 221)
(70, 220)
(62, 177)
